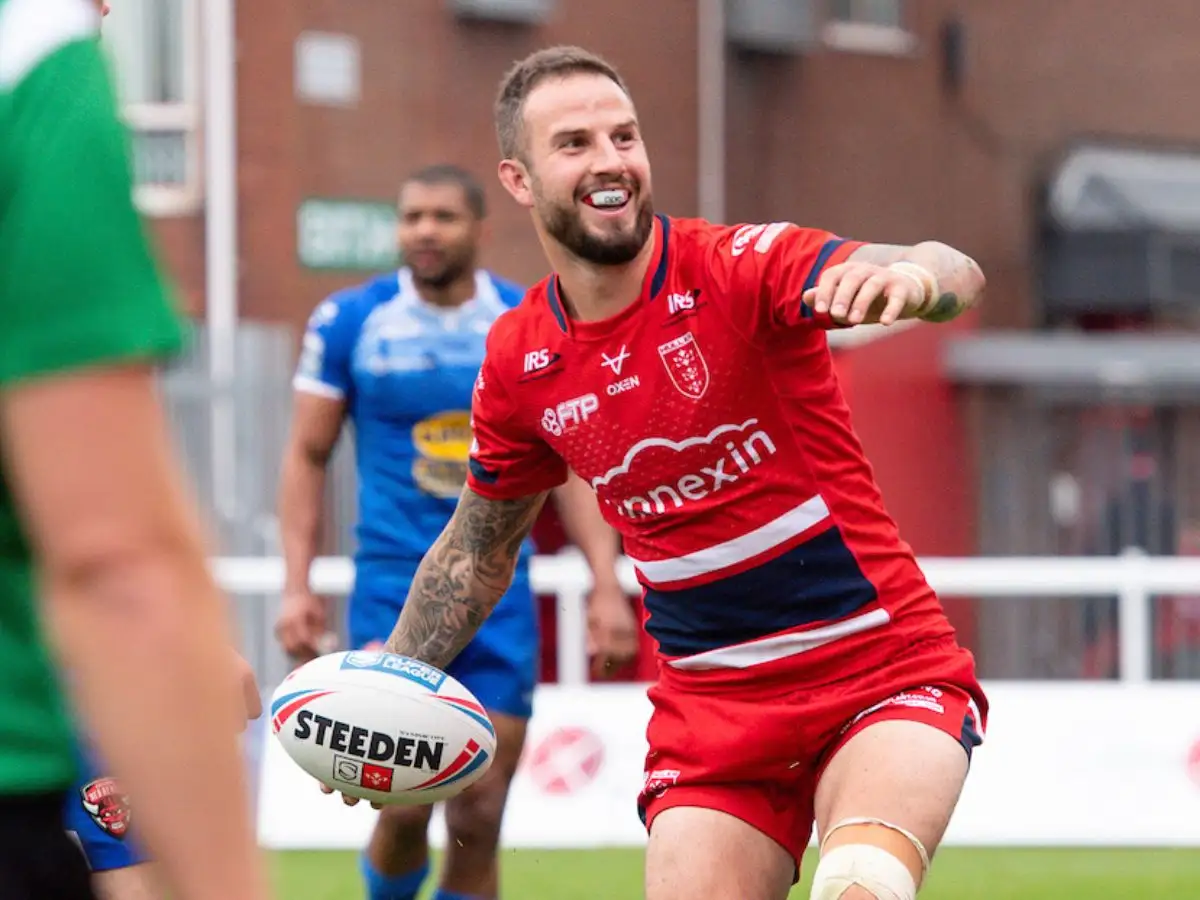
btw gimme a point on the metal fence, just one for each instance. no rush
(1056, 479)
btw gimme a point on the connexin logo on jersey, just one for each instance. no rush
(569, 414)
(742, 454)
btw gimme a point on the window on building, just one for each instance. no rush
(885, 13)
(154, 49)
(868, 26)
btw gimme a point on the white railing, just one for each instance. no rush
(1133, 578)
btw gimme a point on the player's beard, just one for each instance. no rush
(456, 266)
(565, 225)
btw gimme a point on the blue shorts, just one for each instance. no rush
(499, 666)
(99, 817)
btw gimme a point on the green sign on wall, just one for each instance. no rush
(346, 234)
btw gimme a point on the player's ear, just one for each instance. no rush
(515, 178)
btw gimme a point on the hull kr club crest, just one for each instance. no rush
(108, 806)
(686, 366)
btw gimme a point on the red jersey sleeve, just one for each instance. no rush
(764, 270)
(508, 459)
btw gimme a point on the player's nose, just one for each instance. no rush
(607, 159)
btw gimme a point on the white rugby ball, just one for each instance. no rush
(383, 727)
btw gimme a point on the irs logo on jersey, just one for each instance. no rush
(686, 366)
(682, 306)
(538, 364)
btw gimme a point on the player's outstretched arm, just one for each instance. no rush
(887, 282)
(463, 576)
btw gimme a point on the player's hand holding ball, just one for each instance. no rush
(382, 727)
(857, 293)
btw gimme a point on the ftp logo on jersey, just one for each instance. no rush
(537, 362)
(569, 414)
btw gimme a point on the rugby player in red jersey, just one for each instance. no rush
(808, 674)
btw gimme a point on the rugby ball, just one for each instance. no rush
(383, 727)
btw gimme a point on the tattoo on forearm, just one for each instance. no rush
(946, 308)
(462, 577)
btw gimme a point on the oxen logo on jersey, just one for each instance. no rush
(107, 805)
(686, 366)
(569, 414)
(616, 363)
(706, 464)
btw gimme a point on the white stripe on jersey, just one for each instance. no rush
(779, 646)
(721, 556)
(31, 30)
(307, 385)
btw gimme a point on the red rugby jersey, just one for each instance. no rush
(708, 418)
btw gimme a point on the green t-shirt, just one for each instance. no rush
(78, 287)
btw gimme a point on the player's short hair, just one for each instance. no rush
(528, 73)
(447, 173)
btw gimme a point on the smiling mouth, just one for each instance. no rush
(608, 199)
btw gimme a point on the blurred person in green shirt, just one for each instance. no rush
(102, 558)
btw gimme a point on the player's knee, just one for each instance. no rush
(862, 872)
(473, 817)
(869, 871)
(403, 826)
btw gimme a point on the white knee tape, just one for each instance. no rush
(865, 820)
(869, 867)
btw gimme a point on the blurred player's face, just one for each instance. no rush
(102, 6)
(585, 171)
(439, 235)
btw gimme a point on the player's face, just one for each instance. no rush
(102, 6)
(439, 235)
(588, 173)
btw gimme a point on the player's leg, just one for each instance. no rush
(500, 668)
(696, 853)
(473, 819)
(886, 796)
(727, 795)
(395, 862)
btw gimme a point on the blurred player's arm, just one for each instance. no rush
(585, 527)
(883, 283)
(316, 425)
(612, 626)
(463, 576)
(132, 607)
(126, 591)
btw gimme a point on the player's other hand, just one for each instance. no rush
(348, 800)
(251, 698)
(855, 293)
(302, 623)
(612, 638)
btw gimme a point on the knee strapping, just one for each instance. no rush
(867, 866)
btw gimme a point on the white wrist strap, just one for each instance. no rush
(923, 277)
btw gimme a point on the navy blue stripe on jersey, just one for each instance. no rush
(660, 274)
(814, 273)
(481, 473)
(817, 581)
(556, 305)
